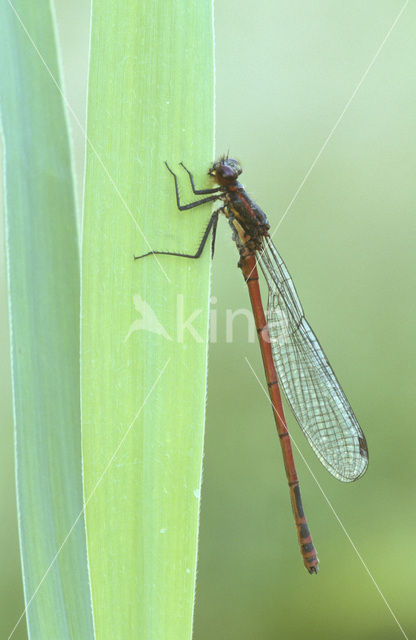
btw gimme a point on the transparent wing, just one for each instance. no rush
(306, 377)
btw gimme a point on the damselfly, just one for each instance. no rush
(292, 355)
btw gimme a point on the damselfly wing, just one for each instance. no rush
(306, 377)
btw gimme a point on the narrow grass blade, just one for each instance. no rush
(43, 273)
(143, 368)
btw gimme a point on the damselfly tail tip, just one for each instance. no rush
(313, 569)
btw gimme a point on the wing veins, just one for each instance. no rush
(306, 376)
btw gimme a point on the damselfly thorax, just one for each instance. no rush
(248, 221)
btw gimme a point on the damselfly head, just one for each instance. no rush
(225, 171)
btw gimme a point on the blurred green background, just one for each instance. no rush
(285, 72)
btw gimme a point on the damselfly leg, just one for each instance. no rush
(197, 203)
(191, 178)
(212, 224)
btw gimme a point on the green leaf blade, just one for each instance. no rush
(43, 274)
(143, 383)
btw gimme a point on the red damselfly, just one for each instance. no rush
(292, 355)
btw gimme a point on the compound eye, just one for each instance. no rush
(226, 172)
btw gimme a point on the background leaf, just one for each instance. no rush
(43, 271)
